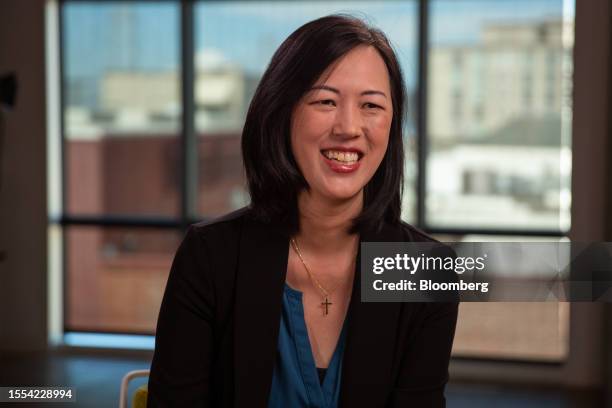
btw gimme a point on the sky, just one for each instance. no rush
(145, 36)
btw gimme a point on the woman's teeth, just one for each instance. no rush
(344, 157)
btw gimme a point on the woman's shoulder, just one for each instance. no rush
(213, 245)
(415, 234)
(218, 239)
(225, 226)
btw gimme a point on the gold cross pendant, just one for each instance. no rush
(326, 304)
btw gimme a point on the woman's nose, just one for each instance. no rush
(348, 123)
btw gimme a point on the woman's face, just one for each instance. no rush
(340, 127)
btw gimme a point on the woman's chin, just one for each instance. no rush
(342, 195)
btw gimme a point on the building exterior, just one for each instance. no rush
(516, 70)
(499, 128)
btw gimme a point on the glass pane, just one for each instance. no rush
(234, 44)
(121, 98)
(116, 277)
(537, 331)
(524, 331)
(499, 114)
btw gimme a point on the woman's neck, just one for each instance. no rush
(325, 225)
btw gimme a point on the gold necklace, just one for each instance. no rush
(325, 292)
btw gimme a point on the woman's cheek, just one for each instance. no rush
(380, 123)
(322, 121)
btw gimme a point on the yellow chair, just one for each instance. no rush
(140, 396)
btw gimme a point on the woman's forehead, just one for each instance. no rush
(360, 69)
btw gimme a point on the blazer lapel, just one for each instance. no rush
(262, 267)
(370, 342)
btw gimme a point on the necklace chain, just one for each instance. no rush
(296, 248)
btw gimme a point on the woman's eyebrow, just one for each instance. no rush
(374, 92)
(325, 88)
(334, 90)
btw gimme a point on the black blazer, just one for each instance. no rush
(218, 326)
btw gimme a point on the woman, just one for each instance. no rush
(262, 307)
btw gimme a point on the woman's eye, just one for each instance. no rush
(369, 105)
(327, 102)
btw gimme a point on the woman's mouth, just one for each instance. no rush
(342, 161)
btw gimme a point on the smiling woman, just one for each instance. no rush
(262, 306)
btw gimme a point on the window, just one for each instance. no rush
(519, 45)
(154, 95)
(508, 167)
(121, 160)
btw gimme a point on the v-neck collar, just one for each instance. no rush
(319, 394)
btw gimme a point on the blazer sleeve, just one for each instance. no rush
(424, 367)
(181, 368)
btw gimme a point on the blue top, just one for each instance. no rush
(295, 382)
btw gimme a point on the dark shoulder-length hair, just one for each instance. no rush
(273, 177)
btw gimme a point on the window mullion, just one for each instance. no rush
(421, 120)
(188, 146)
